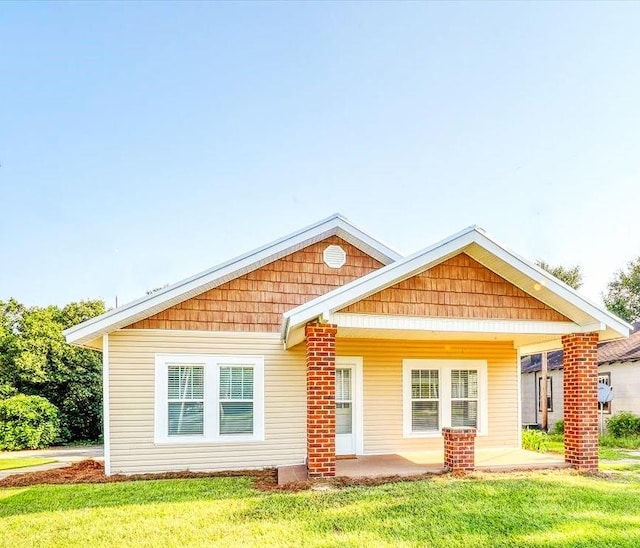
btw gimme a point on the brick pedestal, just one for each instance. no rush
(459, 449)
(321, 400)
(580, 364)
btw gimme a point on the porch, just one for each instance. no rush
(428, 462)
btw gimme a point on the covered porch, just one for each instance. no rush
(437, 338)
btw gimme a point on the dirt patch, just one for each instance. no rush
(91, 471)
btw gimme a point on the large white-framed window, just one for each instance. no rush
(209, 399)
(439, 393)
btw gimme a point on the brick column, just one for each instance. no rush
(580, 364)
(321, 399)
(459, 448)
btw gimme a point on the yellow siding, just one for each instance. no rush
(382, 372)
(132, 368)
(132, 390)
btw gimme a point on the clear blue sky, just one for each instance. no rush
(143, 142)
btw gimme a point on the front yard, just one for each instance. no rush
(527, 509)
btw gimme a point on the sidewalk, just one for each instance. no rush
(63, 455)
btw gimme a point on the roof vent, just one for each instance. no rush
(334, 256)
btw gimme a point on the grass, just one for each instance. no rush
(610, 448)
(558, 508)
(628, 442)
(10, 463)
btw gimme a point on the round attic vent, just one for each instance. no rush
(334, 256)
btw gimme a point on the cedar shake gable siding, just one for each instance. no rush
(460, 287)
(255, 302)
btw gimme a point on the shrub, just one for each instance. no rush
(6, 391)
(623, 425)
(27, 422)
(535, 440)
(558, 427)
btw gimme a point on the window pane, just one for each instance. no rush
(344, 418)
(186, 419)
(464, 383)
(236, 383)
(343, 384)
(424, 384)
(464, 413)
(424, 416)
(236, 418)
(186, 382)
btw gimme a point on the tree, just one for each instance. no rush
(622, 296)
(571, 275)
(36, 360)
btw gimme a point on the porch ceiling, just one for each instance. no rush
(527, 343)
(520, 340)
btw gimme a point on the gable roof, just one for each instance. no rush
(474, 242)
(335, 225)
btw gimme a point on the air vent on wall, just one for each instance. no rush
(334, 256)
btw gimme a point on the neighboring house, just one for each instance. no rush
(328, 343)
(530, 388)
(618, 366)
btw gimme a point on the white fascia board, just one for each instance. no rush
(365, 242)
(561, 289)
(199, 283)
(453, 325)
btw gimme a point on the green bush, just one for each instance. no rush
(624, 425)
(6, 391)
(535, 440)
(27, 422)
(558, 427)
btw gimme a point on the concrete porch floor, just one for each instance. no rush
(409, 464)
(412, 464)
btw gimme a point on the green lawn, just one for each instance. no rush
(555, 444)
(8, 463)
(557, 508)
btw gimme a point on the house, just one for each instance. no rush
(530, 388)
(618, 367)
(327, 343)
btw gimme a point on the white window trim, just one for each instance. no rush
(212, 365)
(444, 367)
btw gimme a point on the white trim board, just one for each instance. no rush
(106, 416)
(129, 313)
(456, 325)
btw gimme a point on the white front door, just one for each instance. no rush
(348, 406)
